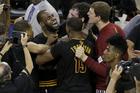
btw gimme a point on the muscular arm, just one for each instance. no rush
(50, 54)
(37, 48)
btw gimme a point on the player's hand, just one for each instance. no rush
(18, 19)
(79, 52)
(116, 74)
(24, 39)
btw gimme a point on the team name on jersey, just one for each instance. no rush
(86, 48)
(79, 65)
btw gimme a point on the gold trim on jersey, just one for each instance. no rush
(48, 83)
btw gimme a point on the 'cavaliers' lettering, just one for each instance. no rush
(86, 48)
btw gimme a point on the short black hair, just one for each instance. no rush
(39, 15)
(118, 42)
(83, 9)
(74, 24)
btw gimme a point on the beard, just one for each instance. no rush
(50, 28)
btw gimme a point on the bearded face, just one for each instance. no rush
(49, 22)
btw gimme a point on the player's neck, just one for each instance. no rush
(76, 37)
(101, 25)
(45, 34)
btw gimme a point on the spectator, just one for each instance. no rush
(115, 76)
(15, 56)
(22, 83)
(99, 13)
(116, 47)
(78, 10)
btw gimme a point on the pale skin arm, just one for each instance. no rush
(114, 78)
(28, 59)
(19, 19)
(111, 86)
(5, 48)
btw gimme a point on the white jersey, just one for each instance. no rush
(31, 14)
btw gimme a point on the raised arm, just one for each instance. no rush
(5, 48)
(114, 78)
(28, 59)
